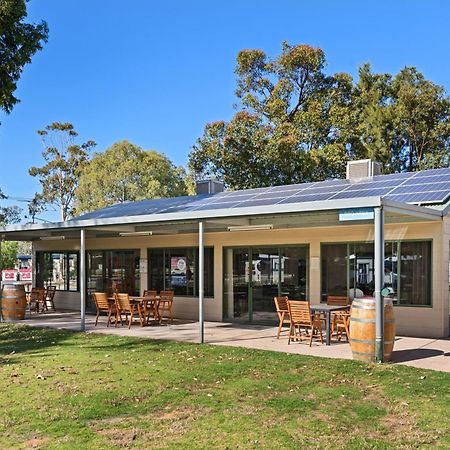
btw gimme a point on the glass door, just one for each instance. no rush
(253, 276)
(236, 284)
(264, 284)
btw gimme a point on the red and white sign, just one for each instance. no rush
(10, 274)
(25, 274)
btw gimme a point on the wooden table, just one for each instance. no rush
(143, 301)
(154, 306)
(327, 310)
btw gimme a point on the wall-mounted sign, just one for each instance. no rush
(143, 265)
(356, 214)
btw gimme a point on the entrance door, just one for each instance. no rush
(251, 282)
(264, 284)
(236, 284)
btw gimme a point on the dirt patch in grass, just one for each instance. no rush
(35, 443)
(151, 429)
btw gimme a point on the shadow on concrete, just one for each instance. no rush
(415, 354)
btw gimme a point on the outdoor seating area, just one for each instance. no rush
(309, 321)
(122, 308)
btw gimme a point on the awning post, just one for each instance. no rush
(201, 270)
(83, 279)
(379, 281)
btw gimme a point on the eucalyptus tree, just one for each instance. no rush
(64, 161)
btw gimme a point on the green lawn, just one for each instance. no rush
(61, 389)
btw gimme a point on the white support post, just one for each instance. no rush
(379, 281)
(83, 279)
(201, 271)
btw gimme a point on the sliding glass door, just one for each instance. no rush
(253, 276)
(264, 283)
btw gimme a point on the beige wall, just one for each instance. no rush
(414, 321)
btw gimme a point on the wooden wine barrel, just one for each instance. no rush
(362, 329)
(13, 302)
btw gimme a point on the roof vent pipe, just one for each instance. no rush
(208, 187)
(362, 168)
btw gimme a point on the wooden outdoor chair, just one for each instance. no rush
(103, 305)
(165, 305)
(151, 305)
(281, 306)
(126, 307)
(342, 325)
(339, 322)
(50, 296)
(302, 318)
(37, 298)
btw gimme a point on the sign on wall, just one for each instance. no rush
(143, 265)
(178, 268)
(356, 214)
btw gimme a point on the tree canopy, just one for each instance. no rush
(295, 123)
(19, 41)
(126, 172)
(64, 161)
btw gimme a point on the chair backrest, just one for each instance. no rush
(281, 304)
(101, 300)
(166, 295)
(337, 300)
(150, 293)
(123, 301)
(299, 311)
(50, 291)
(38, 293)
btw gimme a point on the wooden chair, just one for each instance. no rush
(301, 317)
(165, 304)
(151, 305)
(125, 306)
(37, 297)
(338, 327)
(281, 306)
(342, 325)
(49, 297)
(103, 305)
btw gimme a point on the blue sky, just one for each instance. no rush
(155, 72)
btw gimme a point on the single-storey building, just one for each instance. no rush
(236, 250)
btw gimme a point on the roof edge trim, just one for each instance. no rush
(324, 205)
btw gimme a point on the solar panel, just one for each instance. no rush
(358, 194)
(429, 187)
(304, 198)
(420, 197)
(444, 178)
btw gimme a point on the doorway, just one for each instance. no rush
(253, 276)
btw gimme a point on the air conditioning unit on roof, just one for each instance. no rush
(362, 168)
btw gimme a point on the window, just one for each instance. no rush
(57, 268)
(334, 270)
(348, 268)
(111, 270)
(177, 269)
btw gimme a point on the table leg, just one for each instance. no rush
(328, 326)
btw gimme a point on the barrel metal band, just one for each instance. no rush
(368, 341)
(358, 319)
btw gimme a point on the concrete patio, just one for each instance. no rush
(423, 353)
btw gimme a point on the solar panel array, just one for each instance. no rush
(426, 187)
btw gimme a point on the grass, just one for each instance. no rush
(66, 390)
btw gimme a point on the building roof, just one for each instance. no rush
(424, 195)
(428, 187)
